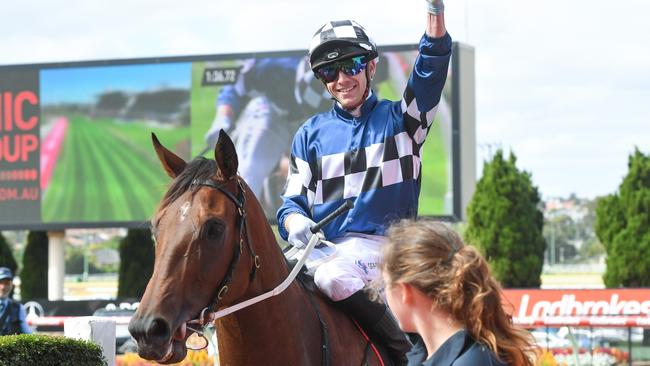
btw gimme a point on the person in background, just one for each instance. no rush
(12, 313)
(443, 290)
(262, 110)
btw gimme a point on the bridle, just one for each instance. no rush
(208, 314)
(244, 236)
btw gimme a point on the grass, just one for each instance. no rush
(435, 162)
(573, 280)
(108, 171)
(434, 174)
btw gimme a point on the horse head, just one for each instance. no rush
(204, 256)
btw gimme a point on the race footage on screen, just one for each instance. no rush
(76, 148)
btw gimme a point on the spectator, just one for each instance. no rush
(444, 291)
(12, 313)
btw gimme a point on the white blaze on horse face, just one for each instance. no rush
(185, 209)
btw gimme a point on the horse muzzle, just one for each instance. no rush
(153, 335)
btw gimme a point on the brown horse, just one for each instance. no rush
(214, 248)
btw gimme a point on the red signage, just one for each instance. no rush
(611, 307)
(20, 192)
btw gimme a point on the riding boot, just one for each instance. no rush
(376, 318)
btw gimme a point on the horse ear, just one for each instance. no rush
(226, 156)
(173, 164)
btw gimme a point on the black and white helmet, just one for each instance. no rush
(337, 40)
(309, 91)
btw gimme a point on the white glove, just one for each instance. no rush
(436, 6)
(223, 123)
(299, 233)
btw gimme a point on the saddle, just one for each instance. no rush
(374, 344)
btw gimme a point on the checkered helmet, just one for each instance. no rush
(309, 91)
(337, 40)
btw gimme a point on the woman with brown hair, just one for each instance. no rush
(443, 290)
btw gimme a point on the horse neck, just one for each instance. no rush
(274, 316)
(273, 268)
(278, 331)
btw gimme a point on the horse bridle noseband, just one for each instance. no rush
(240, 203)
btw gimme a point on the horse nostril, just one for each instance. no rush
(136, 327)
(158, 328)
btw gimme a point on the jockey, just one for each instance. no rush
(366, 150)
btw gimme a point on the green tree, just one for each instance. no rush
(6, 255)
(505, 222)
(623, 226)
(74, 261)
(136, 263)
(34, 272)
(592, 248)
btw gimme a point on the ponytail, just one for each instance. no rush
(430, 256)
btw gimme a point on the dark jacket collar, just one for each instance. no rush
(448, 352)
(366, 107)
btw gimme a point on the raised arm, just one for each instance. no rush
(436, 19)
(424, 89)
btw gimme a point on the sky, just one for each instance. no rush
(565, 86)
(83, 85)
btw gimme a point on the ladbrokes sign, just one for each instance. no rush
(621, 307)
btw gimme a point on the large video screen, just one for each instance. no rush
(75, 145)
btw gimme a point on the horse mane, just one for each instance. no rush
(199, 168)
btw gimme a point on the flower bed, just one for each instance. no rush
(194, 358)
(599, 356)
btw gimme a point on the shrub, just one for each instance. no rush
(43, 350)
(193, 358)
(6, 255)
(34, 272)
(623, 226)
(136, 263)
(505, 222)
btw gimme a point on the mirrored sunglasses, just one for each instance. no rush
(351, 66)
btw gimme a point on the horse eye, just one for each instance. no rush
(213, 230)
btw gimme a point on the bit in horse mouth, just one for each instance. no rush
(174, 352)
(168, 355)
(180, 333)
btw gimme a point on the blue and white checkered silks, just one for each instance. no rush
(347, 174)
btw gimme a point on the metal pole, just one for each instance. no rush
(552, 242)
(85, 256)
(591, 343)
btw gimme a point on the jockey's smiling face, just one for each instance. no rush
(348, 89)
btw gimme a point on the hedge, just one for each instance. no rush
(33, 276)
(44, 350)
(137, 252)
(6, 255)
